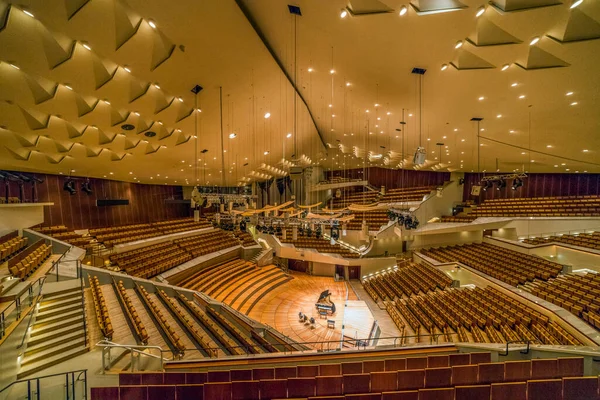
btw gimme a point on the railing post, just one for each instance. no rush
(67, 384)
(28, 390)
(37, 384)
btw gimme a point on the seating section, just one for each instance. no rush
(563, 206)
(374, 220)
(458, 219)
(111, 236)
(455, 376)
(506, 265)
(11, 244)
(405, 281)
(406, 194)
(62, 233)
(131, 313)
(355, 197)
(205, 243)
(321, 245)
(101, 309)
(29, 260)
(589, 240)
(245, 238)
(579, 294)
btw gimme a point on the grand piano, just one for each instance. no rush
(324, 304)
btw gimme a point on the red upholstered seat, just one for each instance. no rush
(357, 383)
(576, 388)
(307, 370)
(105, 393)
(218, 376)
(195, 377)
(384, 381)
(217, 391)
(476, 392)
(329, 385)
(397, 364)
(544, 389)
(330, 369)
(509, 391)
(544, 369)
(459, 359)
(301, 387)
(273, 388)
(363, 396)
(438, 361)
(241, 375)
(190, 391)
(438, 377)
(491, 372)
(517, 371)
(416, 363)
(244, 390)
(263, 373)
(352, 368)
(130, 379)
(133, 392)
(161, 393)
(570, 366)
(464, 375)
(478, 358)
(373, 366)
(285, 372)
(174, 378)
(411, 380)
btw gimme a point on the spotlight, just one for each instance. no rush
(344, 13)
(459, 44)
(487, 185)
(267, 115)
(403, 10)
(576, 3)
(444, 67)
(86, 46)
(232, 136)
(505, 67)
(69, 186)
(534, 40)
(480, 11)
(501, 184)
(517, 183)
(152, 24)
(86, 187)
(32, 16)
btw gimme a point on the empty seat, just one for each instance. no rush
(397, 364)
(105, 393)
(464, 375)
(363, 396)
(476, 392)
(403, 395)
(217, 391)
(544, 369)
(195, 377)
(416, 363)
(478, 358)
(263, 373)
(490, 372)
(301, 387)
(570, 366)
(438, 361)
(436, 394)
(373, 366)
(307, 370)
(330, 369)
(133, 392)
(161, 393)
(244, 390)
(384, 381)
(241, 375)
(285, 372)
(219, 376)
(517, 371)
(411, 379)
(190, 391)
(357, 383)
(576, 388)
(544, 389)
(459, 359)
(329, 385)
(352, 368)
(509, 391)
(273, 388)
(438, 377)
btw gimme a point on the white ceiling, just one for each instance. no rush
(47, 127)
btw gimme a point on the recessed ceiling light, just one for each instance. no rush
(137, 113)
(410, 115)
(86, 46)
(576, 3)
(348, 83)
(514, 84)
(482, 129)
(534, 40)
(555, 165)
(522, 96)
(511, 131)
(569, 94)
(156, 86)
(152, 24)
(28, 13)
(110, 173)
(567, 169)
(232, 136)
(332, 71)
(388, 113)
(481, 98)
(549, 146)
(585, 150)
(444, 137)
(366, 111)
(403, 10)
(444, 67)
(458, 44)
(266, 153)
(14, 66)
(462, 140)
(267, 115)
(332, 115)
(343, 13)
(310, 69)
(289, 135)
(563, 164)
(523, 153)
(574, 103)
(68, 87)
(480, 11)
(429, 139)
(505, 67)
(127, 69)
(499, 116)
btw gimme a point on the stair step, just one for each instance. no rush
(61, 293)
(43, 315)
(57, 318)
(53, 332)
(47, 342)
(54, 351)
(47, 305)
(52, 361)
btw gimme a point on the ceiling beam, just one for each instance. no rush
(280, 63)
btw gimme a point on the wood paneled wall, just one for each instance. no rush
(79, 211)
(538, 185)
(392, 178)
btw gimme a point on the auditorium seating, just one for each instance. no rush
(355, 197)
(11, 244)
(506, 265)
(561, 206)
(101, 309)
(405, 280)
(208, 242)
(579, 294)
(131, 313)
(245, 238)
(412, 194)
(458, 219)
(590, 240)
(181, 225)
(152, 260)
(321, 245)
(465, 376)
(374, 219)
(62, 233)
(26, 262)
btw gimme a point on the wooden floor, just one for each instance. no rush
(280, 307)
(122, 332)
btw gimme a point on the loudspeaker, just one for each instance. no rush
(112, 202)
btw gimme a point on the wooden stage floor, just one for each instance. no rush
(280, 307)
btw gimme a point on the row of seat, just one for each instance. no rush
(506, 265)
(12, 246)
(459, 219)
(169, 330)
(214, 273)
(579, 294)
(206, 243)
(131, 313)
(374, 220)
(589, 240)
(29, 260)
(253, 344)
(562, 206)
(529, 379)
(321, 245)
(101, 309)
(245, 238)
(65, 234)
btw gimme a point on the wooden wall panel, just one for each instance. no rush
(146, 202)
(538, 185)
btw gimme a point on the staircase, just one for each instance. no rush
(58, 333)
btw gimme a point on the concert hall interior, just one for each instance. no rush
(267, 200)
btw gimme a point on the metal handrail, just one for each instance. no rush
(133, 349)
(41, 281)
(79, 270)
(17, 303)
(528, 342)
(65, 374)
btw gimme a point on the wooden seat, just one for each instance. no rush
(475, 392)
(577, 388)
(509, 391)
(384, 381)
(357, 383)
